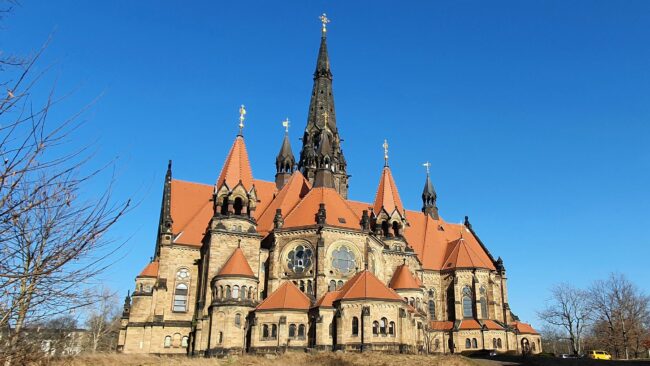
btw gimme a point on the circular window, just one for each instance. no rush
(299, 259)
(183, 274)
(343, 260)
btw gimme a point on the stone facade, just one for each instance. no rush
(252, 266)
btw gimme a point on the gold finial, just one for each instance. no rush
(323, 19)
(385, 146)
(285, 124)
(326, 116)
(242, 117)
(427, 165)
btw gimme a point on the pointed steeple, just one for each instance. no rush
(322, 118)
(237, 167)
(429, 196)
(165, 222)
(387, 196)
(285, 162)
(236, 266)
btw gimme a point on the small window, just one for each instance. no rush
(375, 327)
(274, 331)
(494, 343)
(432, 310)
(168, 341)
(391, 328)
(220, 337)
(468, 343)
(339, 284)
(474, 343)
(265, 331)
(382, 325)
(243, 293)
(499, 343)
(184, 342)
(332, 286)
(180, 297)
(235, 292)
(355, 326)
(301, 331)
(292, 331)
(238, 320)
(227, 291)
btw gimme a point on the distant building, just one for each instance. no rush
(257, 266)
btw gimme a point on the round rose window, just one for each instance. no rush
(343, 260)
(299, 259)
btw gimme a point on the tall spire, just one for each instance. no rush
(285, 161)
(165, 222)
(322, 119)
(429, 196)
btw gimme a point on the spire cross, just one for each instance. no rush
(427, 165)
(385, 146)
(242, 117)
(323, 19)
(285, 124)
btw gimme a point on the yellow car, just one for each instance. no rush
(599, 355)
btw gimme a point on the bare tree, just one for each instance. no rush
(53, 238)
(568, 310)
(103, 321)
(621, 311)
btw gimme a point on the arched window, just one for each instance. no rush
(355, 326)
(494, 343)
(406, 300)
(339, 285)
(412, 301)
(292, 331)
(180, 297)
(301, 331)
(168, 341)
(302, 285)
(227, 292)
(396, 229)
(467, 303)
(432, 310)
(468, 343)
(436, 344)
(274, 331)
(184, 342)
(265, 331)
(250, 293)
(499, 345)
(331, 329)
(384, 228)
(243, 293)
(417, 303)
(235, 292)
(237, 319)
(484, 308)
(375, 327)
(332, 286)
(532, 346)
(219, 292)
(391, 328)
(309, 287)
(383, 322)
(220, 337)
(238, 205)
(474, 343)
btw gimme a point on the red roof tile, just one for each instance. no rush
(289, 196)
(469, 324)
(236, 265)
(387, 196)
(237, 167)
(462, 255)
(491, 325)
(523, 328)
(287, 296)
(441, 325)
(339, 214)
(364, 285)
(403, 279)
(151, 270)
(327, 300)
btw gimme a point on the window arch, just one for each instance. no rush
(355, 326)
(265, 331)
(339, 284)
(467, 303)
(168, 341)
(432, 310)
(227, 292)
(301, 331)
(332, 286)
(238, 319)
(391, 328)
(180, 297)
(436, 344)
(396, 229)
(238, 205)
(417, 303)
(468, 343)
(184, 341)
(483, 301)
(242, 295)
(292, 331)
(235, 292)
(532, 346)
(274, 331)
(375, 327)
(310, 289)
(412, 301)
(474, 343)
(494, 343)
(499, 344)
(383, 323)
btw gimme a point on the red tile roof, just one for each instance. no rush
(469, 324)
(236, 265)
(523, 328)
(339, 213)
(491, 324)
(403, 279)
(441, 325)
(287, 296)
(462, 255)
(327, 300)
(237, 167)
(151, 270)
(289, 196)
(364, 285)
(387, 196)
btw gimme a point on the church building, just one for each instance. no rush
(246, 265)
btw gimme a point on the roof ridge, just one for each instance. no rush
(477, 256)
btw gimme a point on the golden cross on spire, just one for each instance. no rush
(326, 116)
(242, 117)
(323, 19)
(285, 124)
(427, 165)
(385, 146)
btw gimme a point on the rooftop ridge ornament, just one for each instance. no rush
(427, 165)
(242, 117)
(385, 146)
(324, 20)
(285, 124)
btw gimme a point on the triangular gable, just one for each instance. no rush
(364, 285)
(287, 296)
(403, 279)
(236, 266)
(339, 214)
(289, 196)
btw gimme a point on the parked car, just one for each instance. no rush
(567, 355)
(598, 355)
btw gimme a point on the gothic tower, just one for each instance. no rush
(321, 144)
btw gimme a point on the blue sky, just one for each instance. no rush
(534, 115)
